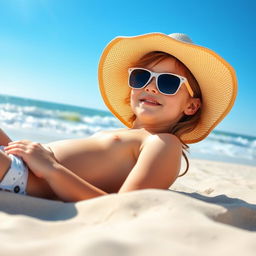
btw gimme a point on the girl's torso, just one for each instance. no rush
(104, 159)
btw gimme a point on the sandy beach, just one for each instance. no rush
(210, 211)
(75, 69)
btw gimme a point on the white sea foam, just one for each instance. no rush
(69, 121)
(54, 120)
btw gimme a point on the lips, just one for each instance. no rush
(150, 101)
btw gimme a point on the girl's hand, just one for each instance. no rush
(40, 160)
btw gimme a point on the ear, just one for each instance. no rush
(192, 106)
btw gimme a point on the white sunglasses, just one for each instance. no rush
(166, 83)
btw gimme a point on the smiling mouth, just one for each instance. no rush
(150, 102)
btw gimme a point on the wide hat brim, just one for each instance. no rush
(215, 76)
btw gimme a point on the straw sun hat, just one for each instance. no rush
(215, 76)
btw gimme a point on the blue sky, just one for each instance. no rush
(49, 49)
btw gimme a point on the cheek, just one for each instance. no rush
(134, 92)
(134, 96)
(176, 105)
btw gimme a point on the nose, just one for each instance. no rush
(151, 87)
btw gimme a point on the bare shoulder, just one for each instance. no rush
(166, 141)
(158, 163)
(164, 148)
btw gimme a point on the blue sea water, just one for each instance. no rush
(65, 121)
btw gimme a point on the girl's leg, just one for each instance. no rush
(39, 187)
(5, 160)
(5, 163)
(4, 139)
(35, 186)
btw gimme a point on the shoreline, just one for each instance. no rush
(43, 136)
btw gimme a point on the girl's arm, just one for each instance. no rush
(4, 139)
(70, 187)
(67, 185)
(158, 164)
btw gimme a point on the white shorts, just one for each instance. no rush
(16, 178)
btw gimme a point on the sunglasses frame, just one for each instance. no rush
(156, 75)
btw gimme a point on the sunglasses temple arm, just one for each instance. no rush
(189, 89)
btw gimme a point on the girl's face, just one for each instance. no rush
(157, 111)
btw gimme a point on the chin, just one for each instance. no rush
(147, 118)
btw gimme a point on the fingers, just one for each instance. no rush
(16, 149)
(15, 146)
(21, 147)
(16, 152)
(24, 142)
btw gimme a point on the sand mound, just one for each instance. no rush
(211, 211)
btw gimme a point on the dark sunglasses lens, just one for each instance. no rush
(138, 78)
(168, 83)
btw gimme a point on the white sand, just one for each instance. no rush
(210, 211)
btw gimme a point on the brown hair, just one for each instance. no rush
(188, 122)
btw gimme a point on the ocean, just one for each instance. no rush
(47, 121)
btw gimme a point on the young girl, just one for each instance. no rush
(166, 90)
